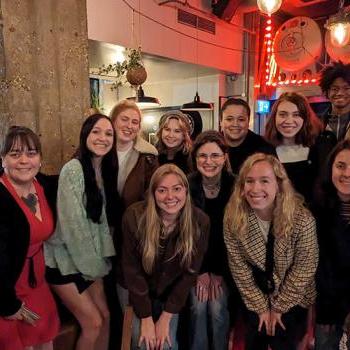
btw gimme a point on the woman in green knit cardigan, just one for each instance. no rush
(78, 255)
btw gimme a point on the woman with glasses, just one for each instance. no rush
(28, 315)
(165, 238)
(174, 142)
(210, 187)
(296, 132)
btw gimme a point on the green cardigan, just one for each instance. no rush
(78, 244)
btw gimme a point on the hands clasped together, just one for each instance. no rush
(155, 334)
(270, 319)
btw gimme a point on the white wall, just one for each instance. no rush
(110, 21)
(170, 94)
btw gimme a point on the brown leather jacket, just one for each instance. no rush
(138, 180)
(169, 282)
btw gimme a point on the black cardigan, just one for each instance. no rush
(332, 278)
(215, 260)
(14, 242)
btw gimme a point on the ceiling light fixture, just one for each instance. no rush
(269, 6)
(339, 26)
(143, 101)
(197, 104)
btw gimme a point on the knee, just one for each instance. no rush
(106, 316)
(91, 326)
(197, 307)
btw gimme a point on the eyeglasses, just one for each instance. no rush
(336, 89)
(202, 157)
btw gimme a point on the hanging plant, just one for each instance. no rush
(131, 70)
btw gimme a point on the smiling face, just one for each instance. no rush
(170, 195)
(100, 139)
(288, 121)
(172, 135)
(235, 124)
(127, 125)
(21, 163)
(210, 159)
(341, 174)
(339, 94)
(260, 189)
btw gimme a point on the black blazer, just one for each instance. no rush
(14, 242)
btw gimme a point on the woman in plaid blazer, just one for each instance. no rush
(272, 250)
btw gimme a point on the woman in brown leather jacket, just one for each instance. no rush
(165, 238)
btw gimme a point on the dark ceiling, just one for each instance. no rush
(310, 8)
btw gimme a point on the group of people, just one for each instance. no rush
(231, 223)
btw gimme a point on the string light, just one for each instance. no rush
(269, 6)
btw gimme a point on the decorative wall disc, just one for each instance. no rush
(297, 44)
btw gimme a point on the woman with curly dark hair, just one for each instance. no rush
(78, 254)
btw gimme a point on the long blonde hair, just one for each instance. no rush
(287, 201)
(151, 225)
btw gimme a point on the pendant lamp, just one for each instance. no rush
(143, 101)
(339, 27)
(197, 104)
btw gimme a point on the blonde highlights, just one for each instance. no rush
(286, 202)
(184, 126)
(151, 226)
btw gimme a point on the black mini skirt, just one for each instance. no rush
(54, 276)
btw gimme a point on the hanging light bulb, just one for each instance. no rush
(269, 6)
(339, 27)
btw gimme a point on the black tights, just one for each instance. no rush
(295, 322)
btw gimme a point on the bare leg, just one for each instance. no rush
(97, 294)
(85, 311)
(46, 346)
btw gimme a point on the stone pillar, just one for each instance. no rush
(45, 47)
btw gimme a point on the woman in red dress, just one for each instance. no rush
(28, 315)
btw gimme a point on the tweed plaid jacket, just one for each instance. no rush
(295, 263)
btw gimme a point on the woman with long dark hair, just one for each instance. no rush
(165, 238)
(211, 186)
(272, 251)
(78, 254)
(28, 315)
(332, 211)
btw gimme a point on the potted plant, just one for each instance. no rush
(130, 70)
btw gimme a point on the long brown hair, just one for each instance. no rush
(150, 225)
(311, 128)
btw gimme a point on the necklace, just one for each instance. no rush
(211, 190)
(31, 201)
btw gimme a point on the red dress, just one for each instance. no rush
(15, 335)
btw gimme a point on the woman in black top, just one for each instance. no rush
(333, 217)
(294, 130)
(174, 142)
(210, 187)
